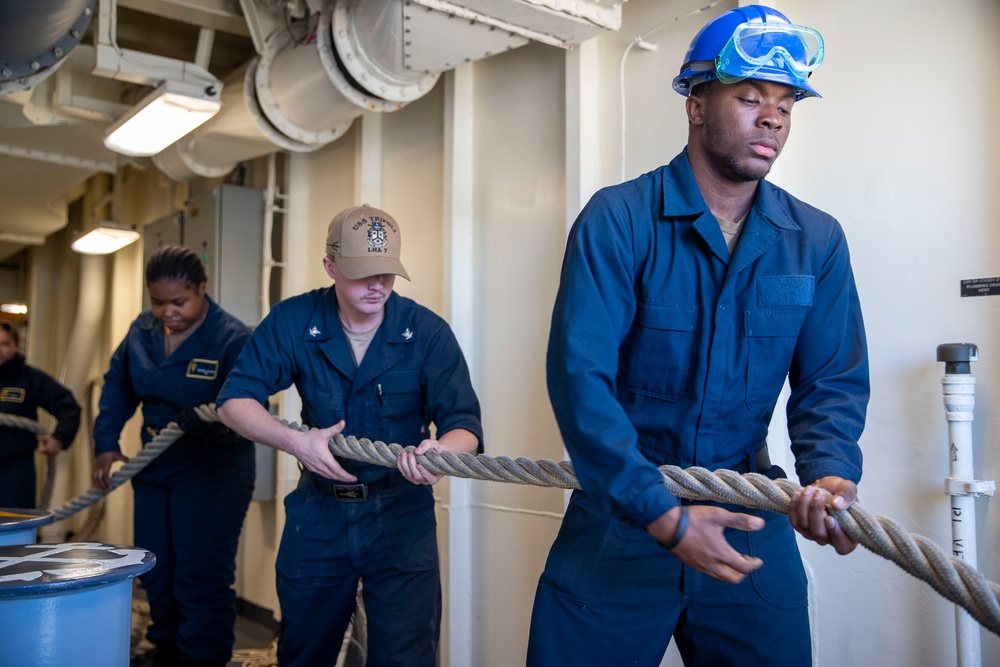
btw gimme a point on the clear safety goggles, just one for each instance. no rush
(795, 49)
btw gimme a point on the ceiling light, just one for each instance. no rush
(14, 308)
(163, 117)
(105, 238)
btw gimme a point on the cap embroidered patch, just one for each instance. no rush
(365, 241)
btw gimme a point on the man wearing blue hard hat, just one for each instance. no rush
(687, 296)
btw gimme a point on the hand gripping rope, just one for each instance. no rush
(951, 577)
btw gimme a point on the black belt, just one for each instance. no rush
(351, 493)
(759, 461)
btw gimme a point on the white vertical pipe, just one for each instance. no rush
(959, 401)
(296, 276)
(460, 309)
(583, 130)
(583, 137)
(369, 167)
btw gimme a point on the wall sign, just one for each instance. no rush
(981, 286)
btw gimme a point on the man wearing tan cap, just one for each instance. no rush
(375, 365)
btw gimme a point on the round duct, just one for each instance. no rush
(296, 94)
(370, 39)
(36, 36)
(335, 69)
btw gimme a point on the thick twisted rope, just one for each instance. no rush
(23, 423)
(951, 577)
(166, 437)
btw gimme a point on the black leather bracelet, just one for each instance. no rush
(682, 526)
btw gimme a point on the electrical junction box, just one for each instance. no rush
(225, 226)
(165, 231)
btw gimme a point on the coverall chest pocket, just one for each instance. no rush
(401, 407)
(772, 334)
(656, 356)
(323, 406)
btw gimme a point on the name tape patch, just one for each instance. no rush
(203, 369)
(12, 395)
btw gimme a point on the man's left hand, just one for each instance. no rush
(809, 516)
(407, 464)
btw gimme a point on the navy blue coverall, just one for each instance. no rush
(666, 350)
(412, 375)
(190, 502)
(24, 389)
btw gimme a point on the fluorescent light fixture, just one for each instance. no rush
(14, 308)
(105, 238)
(163, 117)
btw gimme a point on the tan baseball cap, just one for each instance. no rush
(365, 242)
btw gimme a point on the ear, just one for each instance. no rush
(329, 267)
(695, 107)
(201, 290)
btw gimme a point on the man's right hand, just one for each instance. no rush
(313, 450)
(704, 547)
(251, 420)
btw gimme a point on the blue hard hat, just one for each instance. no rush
(752, 42)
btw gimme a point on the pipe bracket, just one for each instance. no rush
(954, 486)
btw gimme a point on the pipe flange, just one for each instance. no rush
(335, 70)
(269, 104)
(369, 77)
(24, 83)
(263, 123)
(33, 68)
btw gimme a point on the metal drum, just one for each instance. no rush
(68, 604)
(20, 526)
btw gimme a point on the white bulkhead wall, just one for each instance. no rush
(901, 150)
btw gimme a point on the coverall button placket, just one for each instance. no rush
(717, 366)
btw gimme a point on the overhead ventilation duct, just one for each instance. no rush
(36, 36)
(303, 91)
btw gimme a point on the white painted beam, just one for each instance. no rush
(459, 310)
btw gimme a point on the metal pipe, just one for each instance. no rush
(36, 37)
(959, 388)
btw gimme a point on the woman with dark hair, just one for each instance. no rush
(24, 389)
(191, 500)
